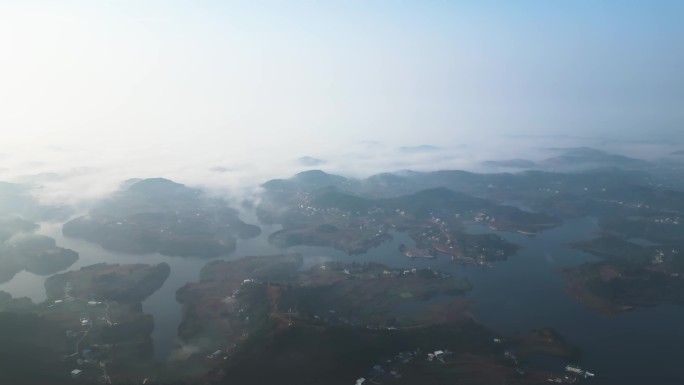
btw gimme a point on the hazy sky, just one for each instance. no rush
(192, 80)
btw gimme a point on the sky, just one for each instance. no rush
(165, 87)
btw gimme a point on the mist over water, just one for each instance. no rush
(229, 95)
(224, 96)
(79, 175)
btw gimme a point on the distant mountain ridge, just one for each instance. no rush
(583, 157)
(419, 149)
(572, 159)
(310, 161)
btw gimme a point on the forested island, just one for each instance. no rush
(22, 249)
(158, 215)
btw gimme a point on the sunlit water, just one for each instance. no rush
(523, 293)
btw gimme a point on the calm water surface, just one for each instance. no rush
(523, 293)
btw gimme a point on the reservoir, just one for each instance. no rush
(522, 293)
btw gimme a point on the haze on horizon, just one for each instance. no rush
(176, 89)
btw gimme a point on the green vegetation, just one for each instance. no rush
(340, 355)
(434, 218)
(662, 228)
(72, 331)
(342, 201)
(618, 251)
(630, 275)
(158, 215)
(93, 321)
(256, 296)
(22, 249)
(31, 350)
(608, 290)
(123, 283)
(434, 207)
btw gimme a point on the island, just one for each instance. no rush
(158, 215)
(638, 208)
(130, 283)
(90, 329)
(630, 275)
(22, 249)
(355, 294)
(259, 319)
(436, 219)
(32, 345)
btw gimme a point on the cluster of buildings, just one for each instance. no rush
(237, 291)
(380, 373)
(658, 257)
(668, 220)
(574, 373)
(215, 354)
(438, 355)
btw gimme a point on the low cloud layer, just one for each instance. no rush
(78, 176)
(230, 94)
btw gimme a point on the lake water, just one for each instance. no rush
(523, 293)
